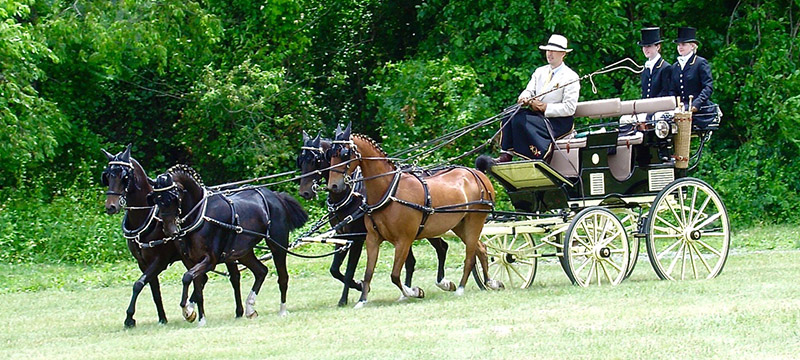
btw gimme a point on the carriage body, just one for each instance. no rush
(600, 194)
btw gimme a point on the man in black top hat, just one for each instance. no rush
(691, 76)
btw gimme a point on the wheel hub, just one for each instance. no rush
(509, 259)
(604, 252)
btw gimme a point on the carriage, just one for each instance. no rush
(602, 193)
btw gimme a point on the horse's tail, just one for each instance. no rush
(483, 163)
(294, 212)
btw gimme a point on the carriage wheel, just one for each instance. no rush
(688, 233)
(512, 260)
(596, 248)
(630, 220)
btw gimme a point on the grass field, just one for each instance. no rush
(752, 310)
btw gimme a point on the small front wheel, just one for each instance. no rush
(596, 249)
(512, 259)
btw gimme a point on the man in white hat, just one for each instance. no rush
(551, 97)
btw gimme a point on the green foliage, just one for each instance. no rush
(30, 125)
(245, 122)
(421, 100)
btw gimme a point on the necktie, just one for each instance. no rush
(549, 77)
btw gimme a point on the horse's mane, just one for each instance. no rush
(377, 147)
(372, 142)
(187, 171)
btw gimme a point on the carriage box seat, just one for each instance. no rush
(565, 160)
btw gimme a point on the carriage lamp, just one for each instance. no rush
(662, 129)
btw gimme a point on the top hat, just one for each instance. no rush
(686, 35)
(650, 36)
(556, 43)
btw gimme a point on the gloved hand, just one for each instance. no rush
(537, 105)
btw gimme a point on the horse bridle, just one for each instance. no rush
(125, 178)
(173, 191)
(339, 150)
(311, 154)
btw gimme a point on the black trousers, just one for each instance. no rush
(526, 134)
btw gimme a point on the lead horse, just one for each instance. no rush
(128, 188)
(221, 227)
(345, 206)
(404, 206)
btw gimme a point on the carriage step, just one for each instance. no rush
(639, 235)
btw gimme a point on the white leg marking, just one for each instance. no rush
(360, 304)
(282, 312)
(460, 291)
(250, 310)
(202, 322)
(188, 312)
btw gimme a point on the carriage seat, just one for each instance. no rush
(621, 162)
(565, 157)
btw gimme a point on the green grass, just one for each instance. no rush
(751, 310)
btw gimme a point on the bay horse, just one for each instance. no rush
(128, 183)
(313, 164)
(221, 227)
(404, 206)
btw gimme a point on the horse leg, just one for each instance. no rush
(279, 258)
(188, 277)
(441, 253)
(490, 283)
(373, 245)
(199, 285)
(150, 275)
(350, 271)
(259, 271)
(469, 263)
(410, 262)
(235, 277)
(401, 250)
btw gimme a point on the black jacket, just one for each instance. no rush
(655, 83)
(694, 79)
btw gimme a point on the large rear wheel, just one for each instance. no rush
(688, 231)
(596, 248)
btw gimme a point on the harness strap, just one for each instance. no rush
(427, 210)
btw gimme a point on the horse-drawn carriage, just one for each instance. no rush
(604, 191)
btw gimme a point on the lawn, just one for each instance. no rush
(752, 310)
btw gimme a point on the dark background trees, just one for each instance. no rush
(227, 85)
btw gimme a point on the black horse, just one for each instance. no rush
(219, 227)
(127, 182)
(312, 162)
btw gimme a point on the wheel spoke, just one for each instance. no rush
(683, 261)
(702, 208)
(672, 226)
(715, 251)
(691, 260)
(677, 218)
(665, 236)
(700, 256)
(691, 208)
(683, 207)
(589, 276)
(661, 254)
(675, 259)
(580, 268)
(518, 273)
(613, 264)
(709, 220)
(608, 276)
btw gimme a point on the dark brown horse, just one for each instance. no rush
(312, 163)
(219, 227)
(404, 206)
(126, 179)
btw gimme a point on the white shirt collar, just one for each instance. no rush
(650, 63)
(684, 59)
(557, 68)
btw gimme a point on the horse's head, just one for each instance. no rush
(117, 176)
(310, 161)
(344, 159)
(167, 196)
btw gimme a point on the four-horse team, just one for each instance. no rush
(374, 199)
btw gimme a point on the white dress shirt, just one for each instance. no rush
(560, 102)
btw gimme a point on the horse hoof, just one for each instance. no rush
(160, 321)
(446, 285)
(360, 305)
(189, 314)
(495, 284)
(283, 313)
(252, 315)
(342, 303)
(420, 293)
(130, 323)
(402, 298)
(460, 291)
(202, 322)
